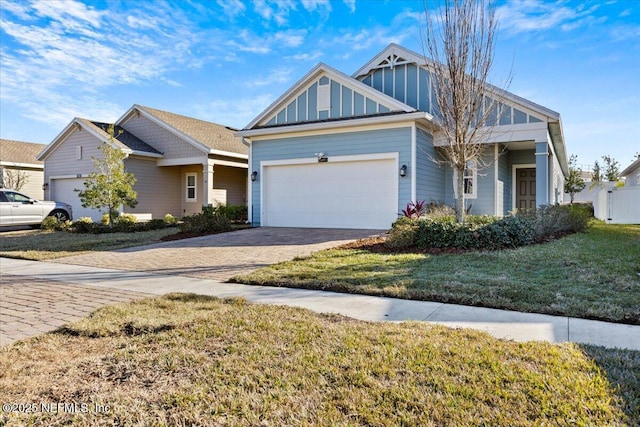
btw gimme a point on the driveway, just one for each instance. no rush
(221, 256)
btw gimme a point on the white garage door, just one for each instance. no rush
(62, 190)
(354, 194)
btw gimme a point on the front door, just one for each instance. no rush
(526, 188)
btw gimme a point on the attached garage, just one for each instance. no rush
(63, 190)
(343, 192)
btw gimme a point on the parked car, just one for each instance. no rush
(19, 209)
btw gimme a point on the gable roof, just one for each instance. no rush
(18, 153)
(210, 137)
(126, 138)
(629, 169)
(98, 131)
(324, 69)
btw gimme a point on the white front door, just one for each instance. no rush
(351, 194)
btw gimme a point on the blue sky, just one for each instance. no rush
(226, 60)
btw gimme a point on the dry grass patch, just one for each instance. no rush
(192, 360)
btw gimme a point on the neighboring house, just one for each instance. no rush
(351, 151)
(631, 174)
(180, 163)
(17, 157)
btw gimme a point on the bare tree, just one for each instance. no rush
(13, 179)
(460, 43)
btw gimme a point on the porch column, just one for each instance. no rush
(207, 183)
(542, 173)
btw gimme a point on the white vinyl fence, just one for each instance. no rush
(619, 205)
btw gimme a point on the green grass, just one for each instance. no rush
(40, 245)
(589, 275)
(193, 360)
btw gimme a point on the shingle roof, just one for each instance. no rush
(126, 138)
(212, 135)
(20, 152)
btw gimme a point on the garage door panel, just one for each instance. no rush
(63, 190)
(359, 194)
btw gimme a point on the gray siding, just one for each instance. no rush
(161, 139)
(522, 157)
(348, 143)
(158, 187)
(429, 174)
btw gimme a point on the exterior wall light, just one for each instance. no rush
(254, 175)
(403, 171)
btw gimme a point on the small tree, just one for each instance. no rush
(109, 186)
(461, 44)
(13, 179)
(611, 169)
(574, 183)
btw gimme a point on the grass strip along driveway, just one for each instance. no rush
(591, 275)
(194, 360)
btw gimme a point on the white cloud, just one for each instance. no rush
(305, 56)
(281, 75)
(351, 4)
(232, 8)
(276, 10)
(534, 15)
(312, 5)
(249, 42)
(49, 69)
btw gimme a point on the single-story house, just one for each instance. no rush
(19, 160)
(631, 174)
(351, 151)
(180, 163)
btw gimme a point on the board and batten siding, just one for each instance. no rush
(325, 99)
(158, 187)
(394, 140)
(161, 139)
(429, 174)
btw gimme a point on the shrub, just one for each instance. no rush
(50, 223)
(439, 210)
(235, 213)
(551, 220)
(208, 221)
(155, 224)
(414, 210)
(170, 219)
(402, 234)
(84, 225)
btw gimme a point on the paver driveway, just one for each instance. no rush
(221, 256)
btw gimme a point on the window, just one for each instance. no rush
(471, 180)
(192, 194)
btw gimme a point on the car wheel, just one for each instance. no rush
(60, 215)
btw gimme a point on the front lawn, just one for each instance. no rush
(40, 245)
(589, 275)
(193, 360)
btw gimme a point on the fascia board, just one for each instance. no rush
(333, 125)
(200, 146)
(56, 141)
(630, 168)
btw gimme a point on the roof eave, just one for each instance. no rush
(296, 128)
(630, 168)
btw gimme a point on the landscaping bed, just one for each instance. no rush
(195, 360)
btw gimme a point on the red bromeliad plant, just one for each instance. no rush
(414, 210)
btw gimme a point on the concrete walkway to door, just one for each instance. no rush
(221, 256)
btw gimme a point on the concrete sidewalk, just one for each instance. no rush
(89, 283)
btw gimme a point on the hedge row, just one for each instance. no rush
(489, 233)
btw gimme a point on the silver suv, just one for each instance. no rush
(19, 209)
